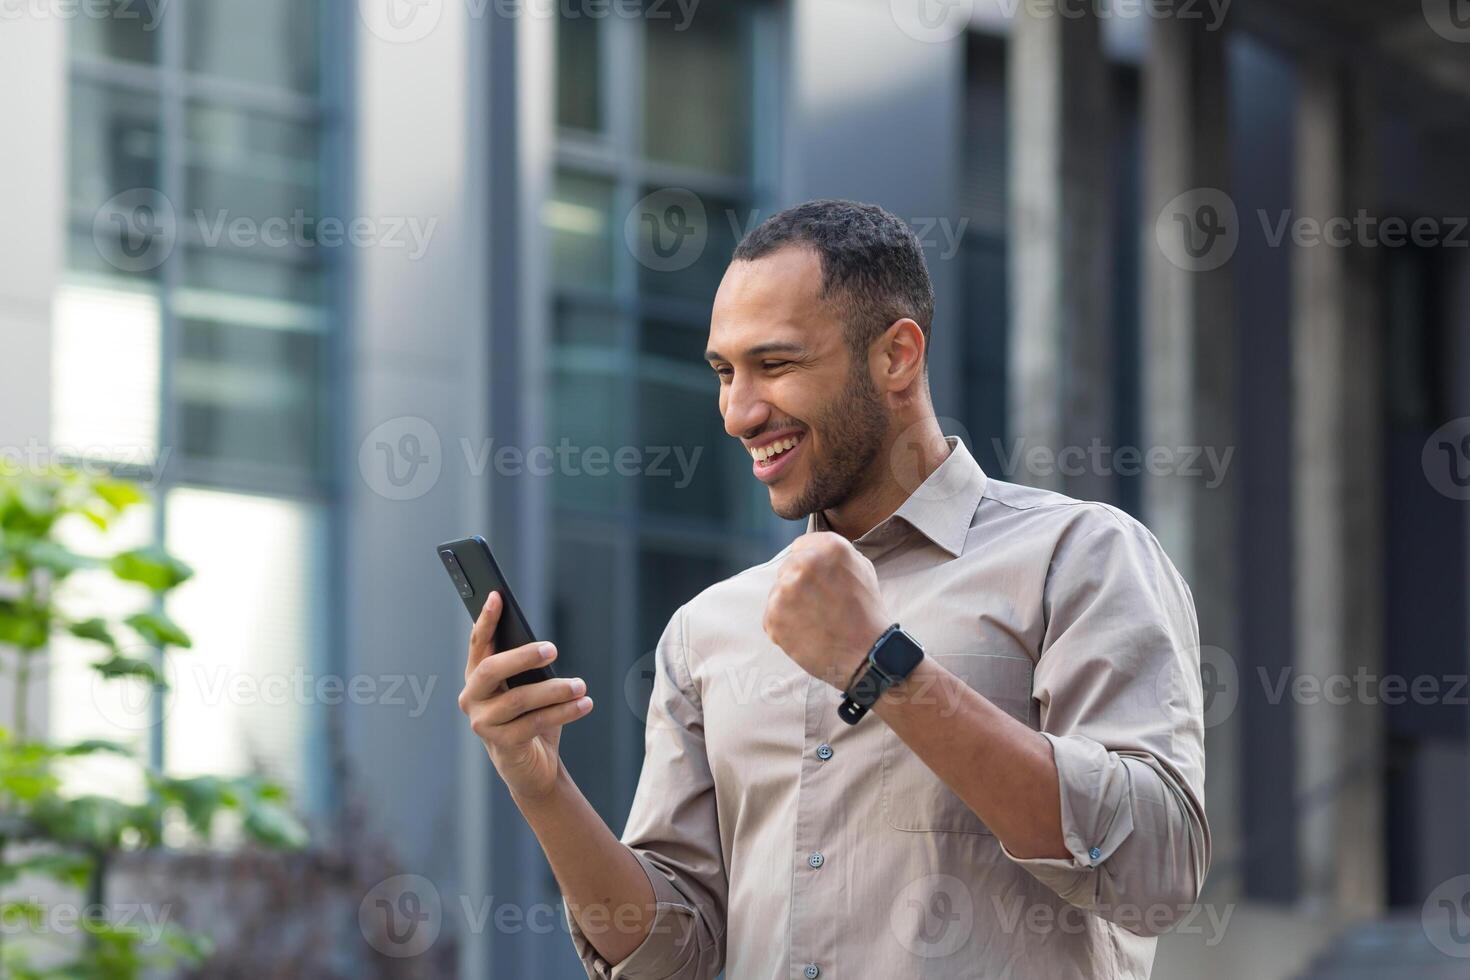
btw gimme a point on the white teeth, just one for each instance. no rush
(763, 453)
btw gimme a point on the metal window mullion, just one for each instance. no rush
(171, 176)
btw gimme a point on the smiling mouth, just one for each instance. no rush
(770, 453)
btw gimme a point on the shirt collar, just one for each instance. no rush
(941, 508)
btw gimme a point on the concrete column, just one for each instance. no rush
(1336, 509)
(33, 61)
(1060, 348)
(1188, 370)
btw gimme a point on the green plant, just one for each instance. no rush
(70, 839)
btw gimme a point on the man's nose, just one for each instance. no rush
(745, 411)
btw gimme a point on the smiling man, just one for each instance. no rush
(1026, 799)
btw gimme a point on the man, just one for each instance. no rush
(1027, 800)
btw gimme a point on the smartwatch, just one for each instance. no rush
(892, 658)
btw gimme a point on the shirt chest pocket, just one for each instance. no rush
(914, 799)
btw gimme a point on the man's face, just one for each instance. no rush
(790, 389)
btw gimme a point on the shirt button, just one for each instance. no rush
(816, 859)
(812, 971)
(1095, 853)
(824, 751)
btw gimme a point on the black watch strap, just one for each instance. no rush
(892, 658)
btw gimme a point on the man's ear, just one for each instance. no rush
(899, 353)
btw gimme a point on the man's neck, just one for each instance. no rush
(899, 470)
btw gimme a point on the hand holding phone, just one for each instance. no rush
(514, 700)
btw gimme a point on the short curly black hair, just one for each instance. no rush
(872, 263)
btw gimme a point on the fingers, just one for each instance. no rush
(490, 673)
(482, 636)
(514, 717)
(506, 706)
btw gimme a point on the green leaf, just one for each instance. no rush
(272, 824)
(93, 629)
(152, 567)
(200, 797)
(23, 625)
(92, 746)
(69, 868)
(158, 630)
(55, 558)
(119, 494)
(120, 666)
(96, 821)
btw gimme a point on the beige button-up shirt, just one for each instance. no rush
(783, 843)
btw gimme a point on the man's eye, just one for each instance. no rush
(725, 373)
(773, 365)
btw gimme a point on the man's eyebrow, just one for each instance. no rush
(770, 347)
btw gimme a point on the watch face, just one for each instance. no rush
(898, 655)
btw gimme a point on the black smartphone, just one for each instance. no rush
(475, 575)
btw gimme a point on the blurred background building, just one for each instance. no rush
(344, 281)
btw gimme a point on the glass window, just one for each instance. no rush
(587, 414)
(583, 616)
(694, 274)
(129, 32)
(248, 393)
(114, 144)
(696, 89)
(703, 473)
(578, 70)
(267, 42)
(104, 371)
(244, 695)
(243, 164)
(579, 219)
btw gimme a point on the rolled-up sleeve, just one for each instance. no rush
(673, 831)
(1118, 682)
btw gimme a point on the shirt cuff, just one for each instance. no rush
(669, 946)
(1095, 786)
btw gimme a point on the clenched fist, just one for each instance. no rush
(824, 609)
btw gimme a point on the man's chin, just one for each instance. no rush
(789, 506)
